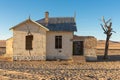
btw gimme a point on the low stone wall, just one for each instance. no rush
(28, 58)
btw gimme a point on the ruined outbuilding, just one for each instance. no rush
(86, 46)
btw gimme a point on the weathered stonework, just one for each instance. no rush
(9, 48)
(66, 51)
(17, 57)
(39, 42)
(89, 48)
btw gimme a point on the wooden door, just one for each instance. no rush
(78, 48)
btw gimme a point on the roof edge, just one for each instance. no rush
(31, 21)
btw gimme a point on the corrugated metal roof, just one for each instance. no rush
(59, 24)
(2, 43)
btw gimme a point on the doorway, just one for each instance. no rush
(78, 48)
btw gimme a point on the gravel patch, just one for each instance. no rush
(59, 70)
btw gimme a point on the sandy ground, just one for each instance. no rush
(59, 70)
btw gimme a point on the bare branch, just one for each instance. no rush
(108, 21)
(113, 31)
(110, 24)
(103, 20)
(103, 28)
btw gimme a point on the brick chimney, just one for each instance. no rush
(46, 17)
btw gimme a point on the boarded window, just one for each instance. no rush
(58, 42)
(29, 39)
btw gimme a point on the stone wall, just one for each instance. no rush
(38, 44)
(9, 48)
(67, 45)
(90, 48)
(90, 44)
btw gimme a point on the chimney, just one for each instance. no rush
(46, 17)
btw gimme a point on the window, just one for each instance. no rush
(29, 39)
(58, 42)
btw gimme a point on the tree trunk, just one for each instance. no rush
(106, 47)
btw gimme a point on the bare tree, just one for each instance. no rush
(106, 26)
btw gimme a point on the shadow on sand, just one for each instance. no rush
(110, 58)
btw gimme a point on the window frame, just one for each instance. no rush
(29, 42)
(58, 42)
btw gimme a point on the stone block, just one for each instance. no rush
(91, 58)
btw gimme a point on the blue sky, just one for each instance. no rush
(88, 14)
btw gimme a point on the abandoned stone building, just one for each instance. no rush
(49, 38)
(86, 46)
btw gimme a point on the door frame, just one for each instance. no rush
(81, 42)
